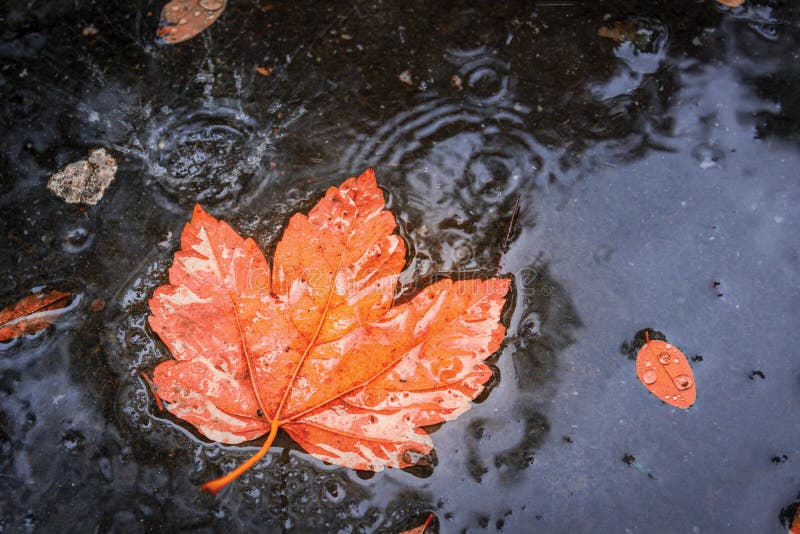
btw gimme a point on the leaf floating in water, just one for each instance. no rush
(665, 371)
(731, 3)
(31, 314)
(316, 345)
(183, 19)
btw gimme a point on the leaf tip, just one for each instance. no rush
(368, 175)
(198, 211)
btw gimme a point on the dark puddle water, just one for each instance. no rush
(658, 184)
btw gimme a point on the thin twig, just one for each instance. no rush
(504, 248)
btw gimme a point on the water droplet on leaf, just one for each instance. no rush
(649, 377)
(683, 382)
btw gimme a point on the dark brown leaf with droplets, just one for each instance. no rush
(183, 19)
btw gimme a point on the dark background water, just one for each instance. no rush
(658, 185)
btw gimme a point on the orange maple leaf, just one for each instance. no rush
(664, 370)
(315, 345)
(31, 314)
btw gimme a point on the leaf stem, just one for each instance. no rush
(217, 484)
(427, 522)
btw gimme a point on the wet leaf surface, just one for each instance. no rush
(313, 345)
(664, 370)
(32, 313)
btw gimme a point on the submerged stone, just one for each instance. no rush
(85, 181)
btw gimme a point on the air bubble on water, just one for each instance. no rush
(73, 441)
(212, 452)
(106, 470)
(334, 492)
(707, 155)
(77, 239)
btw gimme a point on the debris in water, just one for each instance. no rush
(405, 77)
(717, 288)
(85, 181)
(631, 461)
(97, 305)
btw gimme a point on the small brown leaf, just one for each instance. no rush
(731, 3)
(666, 373)
(31, 314)
(183, 19)
(618, 32)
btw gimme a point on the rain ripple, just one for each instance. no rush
(216, 155)
(459, 162)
